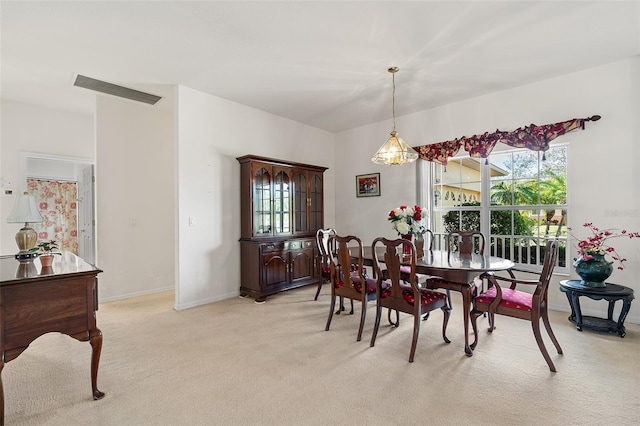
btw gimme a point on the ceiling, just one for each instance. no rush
(322, 63)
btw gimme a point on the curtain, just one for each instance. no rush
(533, 137)
(58, 207)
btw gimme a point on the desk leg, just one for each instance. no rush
(466, 308)
(96, 346)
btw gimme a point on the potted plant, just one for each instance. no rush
(45, 251)
(592, 266)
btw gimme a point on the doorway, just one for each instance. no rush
(68, 169)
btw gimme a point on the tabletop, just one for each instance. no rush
(441, 259)
(13, 271)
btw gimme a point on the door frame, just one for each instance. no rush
(79, 163)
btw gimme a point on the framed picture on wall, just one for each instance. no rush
(368, 185)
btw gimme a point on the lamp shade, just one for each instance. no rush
(395, 151)
(25, 210)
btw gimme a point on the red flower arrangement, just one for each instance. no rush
(408, 220)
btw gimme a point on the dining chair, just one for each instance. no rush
(465, 243)
(521, 304)
(348, 277)
(394, 293)
(427, 242)
(324, 250)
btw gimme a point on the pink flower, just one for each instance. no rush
(597, 243)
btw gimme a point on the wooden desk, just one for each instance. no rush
(35, 300)
(457, 273)
(611, 293)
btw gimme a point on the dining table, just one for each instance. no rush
(450, 271)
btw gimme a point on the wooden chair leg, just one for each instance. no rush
(376, 326)
(492, 318)
(416, 332)
(397, 321)
(363, 316)
(319, 287)
(547, 325)
(535, 324)
(331, 308)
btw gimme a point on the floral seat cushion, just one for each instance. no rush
(512, 299)
(427, 297)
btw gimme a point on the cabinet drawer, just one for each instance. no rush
(272, 247)
(299, 244)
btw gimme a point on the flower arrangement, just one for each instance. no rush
(597, 243)
(408, 220)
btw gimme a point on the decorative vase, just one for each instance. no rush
(406, 248)
(594, 271)
(46, 260)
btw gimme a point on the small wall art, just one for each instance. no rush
(368, 185)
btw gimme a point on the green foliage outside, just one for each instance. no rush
(500, 221)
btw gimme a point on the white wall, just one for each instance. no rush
(603, 174)
(212, 132)
(135, 188)
(38, 130)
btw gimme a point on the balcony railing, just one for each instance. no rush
(524, 250)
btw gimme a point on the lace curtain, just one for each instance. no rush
(58, 207)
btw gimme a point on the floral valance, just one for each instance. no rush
(533, 137)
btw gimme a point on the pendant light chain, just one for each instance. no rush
(393, 99)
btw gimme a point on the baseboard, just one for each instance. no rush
(136, 294)
(181, 306)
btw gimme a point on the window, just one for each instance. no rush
(515, 198)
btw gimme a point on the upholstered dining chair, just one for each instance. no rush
(516, 303)
(394, 293)
(427, 242)
(465, 243)
(348, 277)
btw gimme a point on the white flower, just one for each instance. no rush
(402, 227)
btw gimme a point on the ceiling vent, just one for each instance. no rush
(115, 90)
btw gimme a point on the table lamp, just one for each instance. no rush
(25, 210)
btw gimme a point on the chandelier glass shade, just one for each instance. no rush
(394, 151)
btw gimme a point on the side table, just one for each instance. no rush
(611, 293)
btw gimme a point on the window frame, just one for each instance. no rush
(426, 197)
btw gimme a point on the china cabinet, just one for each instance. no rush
(281, 208)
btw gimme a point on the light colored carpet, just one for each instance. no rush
(235, 362)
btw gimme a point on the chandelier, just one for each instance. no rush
(394, 150)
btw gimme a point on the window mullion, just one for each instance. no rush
(485, 199)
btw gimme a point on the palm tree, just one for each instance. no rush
(554, 191)
(522, 192)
